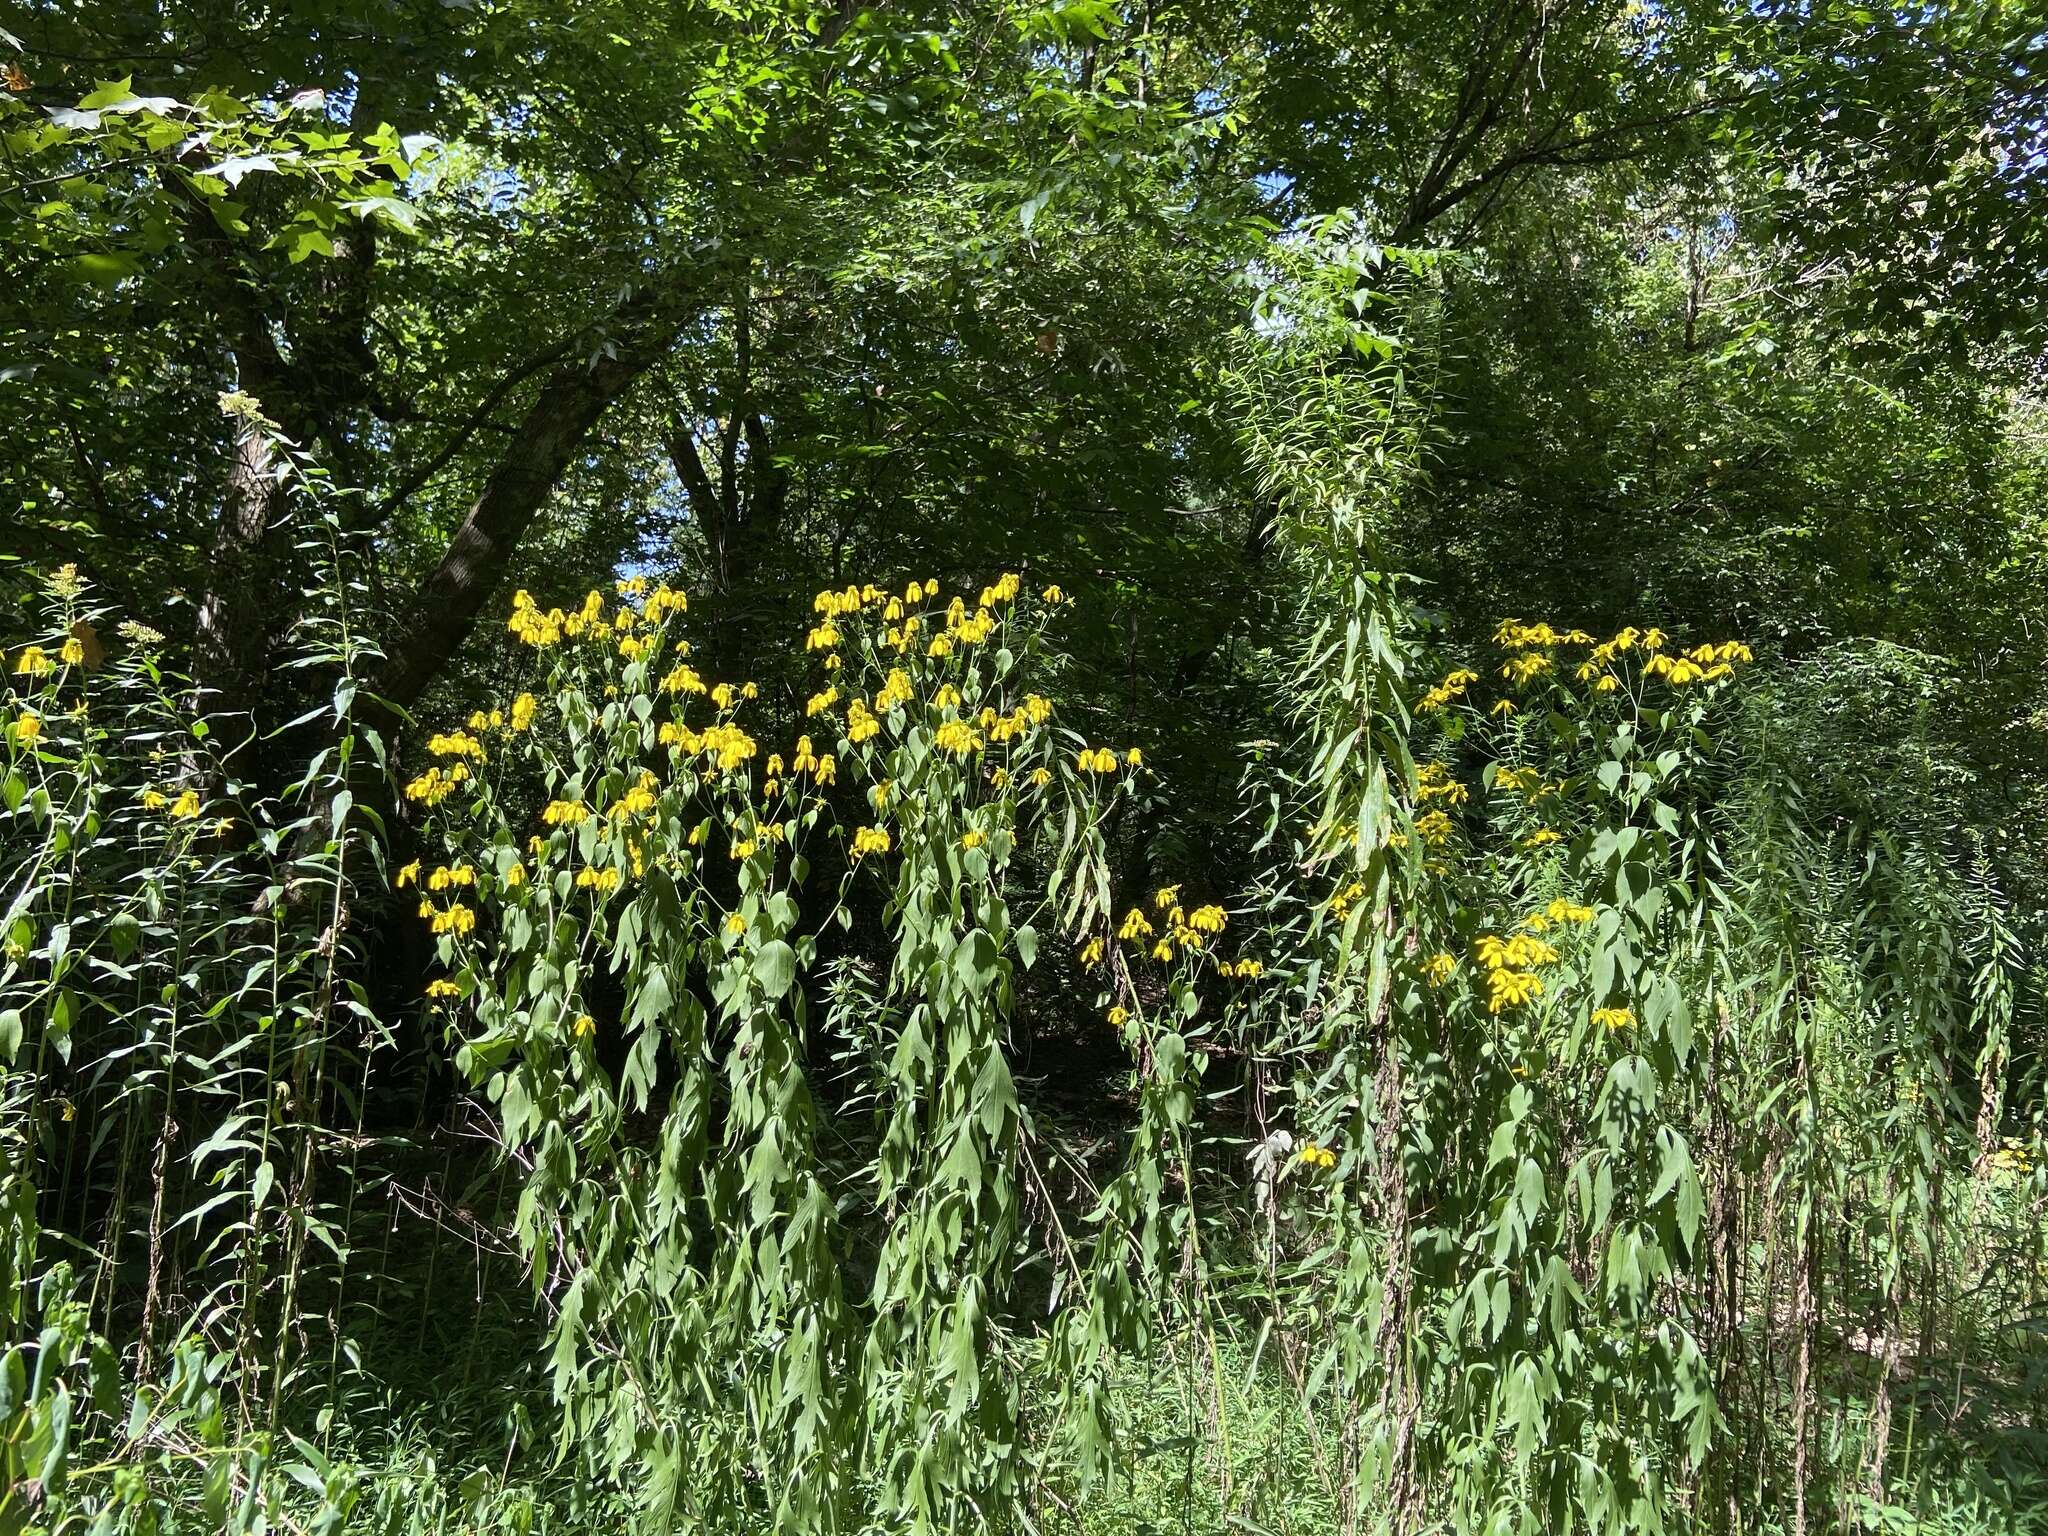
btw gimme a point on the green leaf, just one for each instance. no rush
(775, 968)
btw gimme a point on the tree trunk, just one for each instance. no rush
(445, 606)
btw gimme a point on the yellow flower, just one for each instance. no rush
(1053, 595)
(1434, 827)
(1526, 781)
(735, 923)
(1503, 708)
(441, 986)
(1519, 951)
(867, 840)
(682, 679)
(1452, 687)
(406, 876)
(585, 1026)
(32, 662)
(28, 727)
(1117, 1016)
(722, 696)
(515, 876)
(456, 744)
(1317, 1157)
(73, 652)
(1508, 989)
(153, 800)
(957, 737)
(729, 746)
(1134, 926)
(1541, 836)
(1438, 968)
(860, 724)
(1208, 919)
(443, 878)
(603, 881)
(1613, 1018)
(1134, 758)
(1091, 952)
(1563, 911)
(1250, 969)
(186, 806)
(565, 813)
(1040, 777)
(820, 702)
(1163, 950)
(456, 919)
(972, 839)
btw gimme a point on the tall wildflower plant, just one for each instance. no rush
(1601, 1055)
(751, 1322)
(182, 1050)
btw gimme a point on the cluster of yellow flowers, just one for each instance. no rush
(454, 919)
(957, 737)
(1534, 644)
(1613, 1018)
(441, 986)
(1188, 930)
(436, 785)
(1510, 964)
(867, 840)
(895, 691)
(1434, 828)
(1524, 781)
(185, 808)
(1433, 781)
(824, 769)
(1317, 1157)
(1451, 688)
(1340, 903)
(530, 625)
(861, 725)
(456, 744)
(1560, 910)
(728, 745)
(1102, 760)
